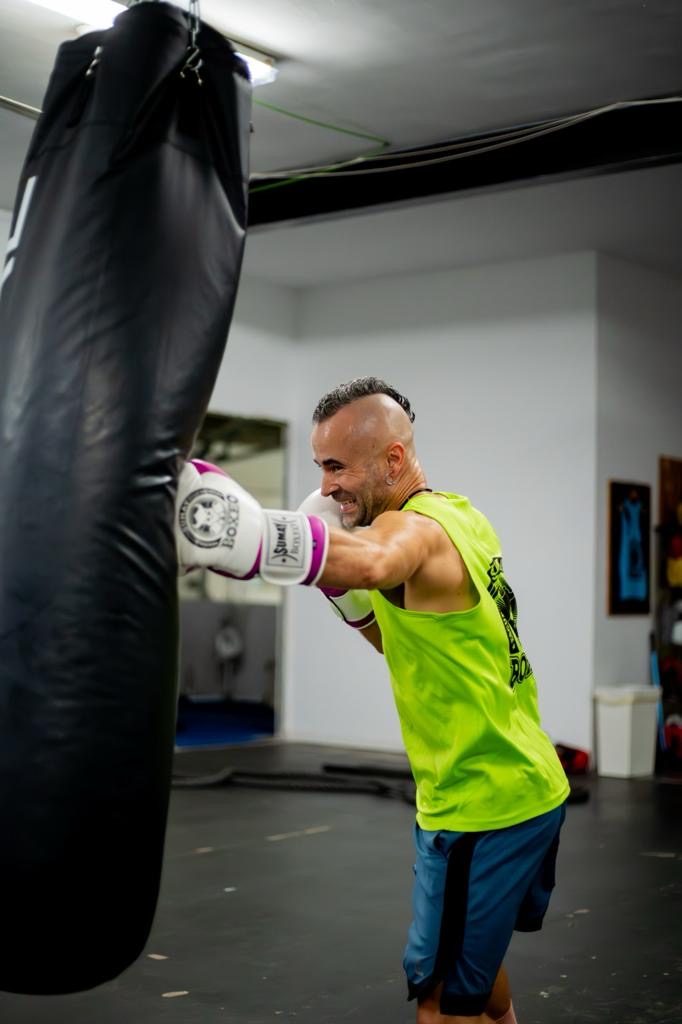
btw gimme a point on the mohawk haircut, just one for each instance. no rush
(359, 387)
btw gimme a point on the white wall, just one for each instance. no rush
(5, 223)
(499, 363)
(258, 378)
(258, 374)
(639, 402)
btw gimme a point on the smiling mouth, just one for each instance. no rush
(347, 506)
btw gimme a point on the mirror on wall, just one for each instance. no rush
(229, 644)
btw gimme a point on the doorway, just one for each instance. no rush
(230, 629)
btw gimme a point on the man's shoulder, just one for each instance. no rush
(463, 521)
(441, 502)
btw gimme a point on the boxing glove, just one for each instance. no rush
(353, 606)
(220, 526)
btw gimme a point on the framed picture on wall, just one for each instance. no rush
(629, 534)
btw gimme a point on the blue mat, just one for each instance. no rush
(221, 723)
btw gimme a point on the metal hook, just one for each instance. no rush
(194, 59)
(194, 22)
(193, 63)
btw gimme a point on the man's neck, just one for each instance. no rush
(406, 488)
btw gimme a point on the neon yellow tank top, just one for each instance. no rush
(466, 695)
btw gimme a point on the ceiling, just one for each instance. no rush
(415, 74)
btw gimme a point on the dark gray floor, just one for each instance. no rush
(294, 905)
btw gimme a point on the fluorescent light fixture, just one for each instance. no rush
(98, 14)
(262, 70)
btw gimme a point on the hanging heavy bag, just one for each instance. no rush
(117, 295)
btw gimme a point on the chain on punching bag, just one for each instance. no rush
(117, 295)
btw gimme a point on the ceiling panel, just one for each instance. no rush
(409, 73)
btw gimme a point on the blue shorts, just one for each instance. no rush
(471, 891)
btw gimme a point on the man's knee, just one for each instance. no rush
(432, 1015)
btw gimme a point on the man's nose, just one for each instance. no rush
(328, 486)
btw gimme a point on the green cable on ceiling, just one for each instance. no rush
(383, 144)
(321, 124)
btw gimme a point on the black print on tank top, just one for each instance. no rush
(503, 596)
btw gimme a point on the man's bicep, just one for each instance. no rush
(404, 542)
(381, 556)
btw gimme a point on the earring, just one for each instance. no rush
(389, 481)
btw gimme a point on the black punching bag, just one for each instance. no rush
(118, 290)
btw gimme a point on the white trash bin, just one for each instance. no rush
(626, 730)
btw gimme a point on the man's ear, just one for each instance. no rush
(395, 457)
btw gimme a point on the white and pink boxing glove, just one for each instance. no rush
(220, 526)
(353, 606)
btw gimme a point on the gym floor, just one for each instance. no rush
(278, 905)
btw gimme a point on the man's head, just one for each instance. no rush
(363, 443)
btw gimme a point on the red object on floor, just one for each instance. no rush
(574, 761)
(673, 739)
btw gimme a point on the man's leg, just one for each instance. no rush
(428, 1012)
(499, 1006)
(499, 1009)
(443, 856)
(471, 891)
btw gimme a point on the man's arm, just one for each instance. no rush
(372, 634)
(382, 556)
(401, 550)
(220, 526)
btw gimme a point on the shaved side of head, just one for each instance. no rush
(379, 421)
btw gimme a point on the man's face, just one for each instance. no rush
(353, 469)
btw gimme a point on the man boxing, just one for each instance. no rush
(423, 582)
